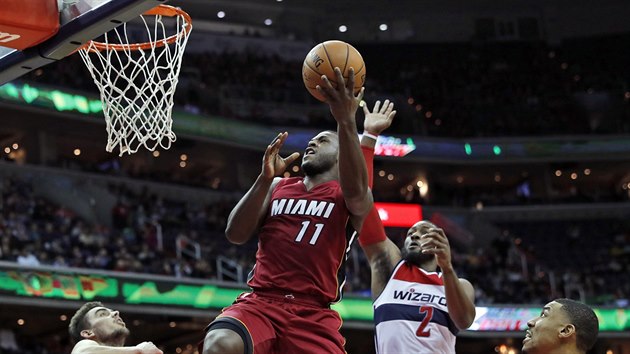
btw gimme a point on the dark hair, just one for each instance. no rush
(78, 322)
(585, 322)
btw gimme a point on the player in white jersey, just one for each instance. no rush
(417, 309)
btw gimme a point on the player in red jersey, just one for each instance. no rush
(305, 228)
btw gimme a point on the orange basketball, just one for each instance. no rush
(322, 60)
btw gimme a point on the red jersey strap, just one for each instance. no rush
(372, 231)
(414, 274)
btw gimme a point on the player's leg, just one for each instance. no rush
(243, 328)
(225, 337)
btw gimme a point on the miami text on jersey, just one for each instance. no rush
(301, 207)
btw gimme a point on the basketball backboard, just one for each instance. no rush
(80, 21)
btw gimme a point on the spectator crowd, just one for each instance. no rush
(443, 90)
(145, 230)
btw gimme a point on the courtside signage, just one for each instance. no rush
(151, 290)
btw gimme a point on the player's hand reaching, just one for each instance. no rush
(341, 99)
(148, 348)
(273, 164)
(380, 118)
(435, 242)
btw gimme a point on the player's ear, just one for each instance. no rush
(87, 334)
(567, 331)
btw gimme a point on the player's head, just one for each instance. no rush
(411, 251)
(321, 153)
(96, 322)
(565, 326)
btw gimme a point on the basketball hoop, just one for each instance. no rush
(137, 80)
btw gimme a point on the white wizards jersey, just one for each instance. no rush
(411, 315)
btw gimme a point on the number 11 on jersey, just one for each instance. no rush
(305, 225)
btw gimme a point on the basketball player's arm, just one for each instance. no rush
(460, 299)
(88, 346)
(248, 214)
(382, 255)
(460, 294)
(381, 252)
(352, 170)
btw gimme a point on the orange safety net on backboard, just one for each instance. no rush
(25, 23)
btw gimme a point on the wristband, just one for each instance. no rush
(370, 135)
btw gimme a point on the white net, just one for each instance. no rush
(137, 81)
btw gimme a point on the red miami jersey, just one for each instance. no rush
(411, 314)
(304, 241)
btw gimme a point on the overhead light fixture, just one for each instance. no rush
(221, 14)
(343, 28)
(383, 27)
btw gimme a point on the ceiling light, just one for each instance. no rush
(268, 22)
(343, 28)
(221, 14)
(383, 27)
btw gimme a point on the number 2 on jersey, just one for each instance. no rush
(428, 314)
(318, 230)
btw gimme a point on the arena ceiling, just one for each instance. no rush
(319, 19)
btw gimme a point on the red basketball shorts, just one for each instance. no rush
(283, 324)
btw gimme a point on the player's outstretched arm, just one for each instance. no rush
(88, 346)
(460, 294)
(381, 252)
(247, 215)
(352, 170)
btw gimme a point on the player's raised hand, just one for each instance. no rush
(380, 118)
(341, 99)
(148, 348)
(435, 242)
(273, 164)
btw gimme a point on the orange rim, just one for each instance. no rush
(163, 10)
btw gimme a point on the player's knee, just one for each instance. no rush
(223, 341)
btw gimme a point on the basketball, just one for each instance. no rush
(322, 60)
